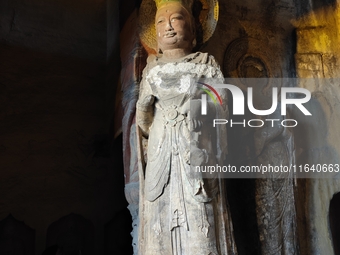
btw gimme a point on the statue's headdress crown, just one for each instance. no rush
(186, 3)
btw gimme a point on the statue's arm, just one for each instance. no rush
(145, 107)
(218, 78)
(220, 112)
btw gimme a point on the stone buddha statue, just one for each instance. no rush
(181, 211)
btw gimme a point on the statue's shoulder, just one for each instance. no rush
(205, 58)
(150, 63)
(212, 67)
(151, 58)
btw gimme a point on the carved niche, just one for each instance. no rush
(16, 238)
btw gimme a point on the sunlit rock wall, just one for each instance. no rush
(318, 140)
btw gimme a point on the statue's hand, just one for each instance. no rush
(194, 124)
(192, 106)
(192, 110)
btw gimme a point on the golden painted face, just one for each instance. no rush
(174, 27)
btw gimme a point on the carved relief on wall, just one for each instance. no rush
(250, 58)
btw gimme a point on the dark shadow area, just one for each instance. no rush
(241, 198)
(73, 233)
(56, 94)
(126, 7)
(241, 192)
(16, 237)
(54, 150)
(334, 222)
(117, 234)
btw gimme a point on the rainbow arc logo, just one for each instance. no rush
(210, 91)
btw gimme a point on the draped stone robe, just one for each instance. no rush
(182, 212)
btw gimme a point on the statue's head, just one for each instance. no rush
(174, 25)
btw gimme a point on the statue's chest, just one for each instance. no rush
(170, 86)
(174, 79)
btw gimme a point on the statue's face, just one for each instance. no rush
(173, 27)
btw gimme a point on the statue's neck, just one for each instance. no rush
(176, 53)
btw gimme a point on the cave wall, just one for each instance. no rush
(59, 174)
(59, 26)
(58, 81)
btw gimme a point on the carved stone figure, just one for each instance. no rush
(252, 64)
(181, 211)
